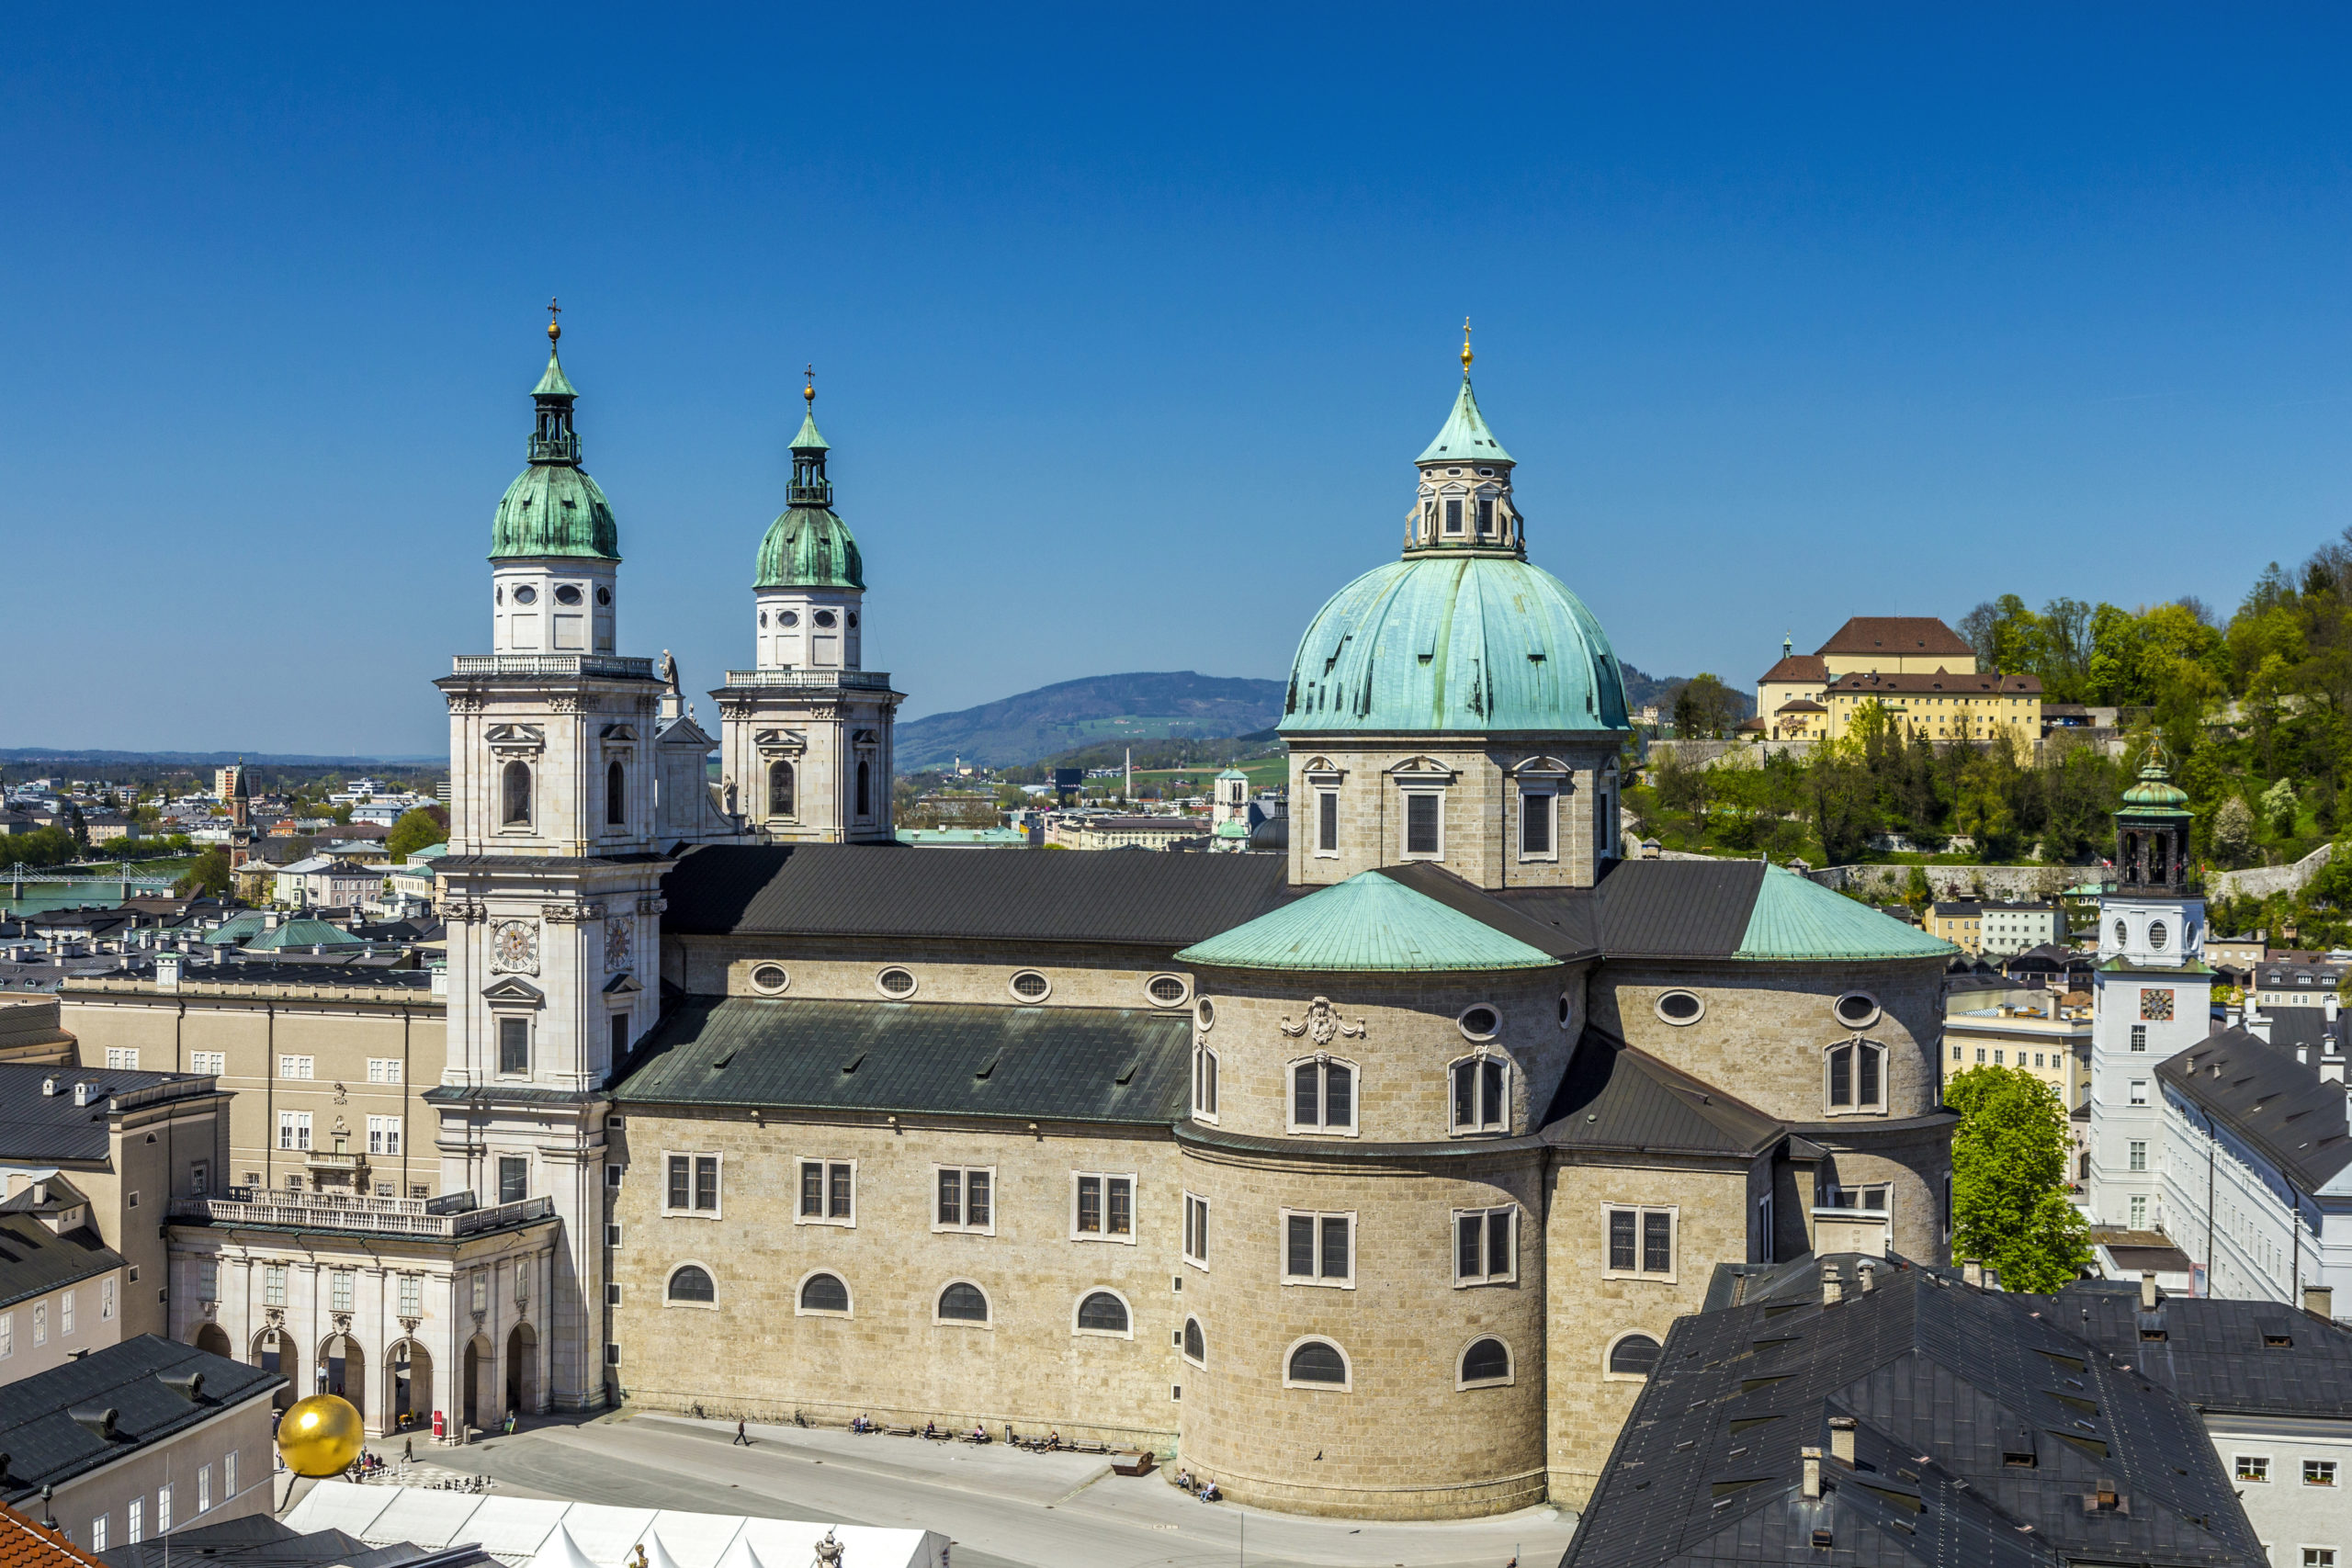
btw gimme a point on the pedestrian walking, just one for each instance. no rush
(408, 1451)
(740, 1437)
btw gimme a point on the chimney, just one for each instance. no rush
(2320, 1301)
(1833, 1289)
(167, 971)
(1812, 1473)
(1971, 1272)
(1869, 1277)
(1992, 1277)
(2149, 1294)
(1841, 1439)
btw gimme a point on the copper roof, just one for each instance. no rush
(1897, 635)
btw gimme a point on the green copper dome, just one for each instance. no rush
(809, 546)
(2155, 795)
(553, 508)
(1466, 642)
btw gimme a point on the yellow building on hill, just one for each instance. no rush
(1921, 671)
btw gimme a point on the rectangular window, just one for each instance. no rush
(1323, 1097)
(1997, 1056)
(411, 1296)
(162, 1509)
(134, 1521)
(1481, 1095)
(681, 1182)
(229, 1475)
(123, 1059)
(1196, 1230)
(966, 1198)
(383, 1069)
(1204, 1082)
(612, 1236)
(98, 1533)
(1641, 1242)
(612, 1354)
(1102, 1207)
(65, 1316)
(2319, 1472)
(273, 1284)
(2139, 1213)
(207, 1279)
(2319, 1557)
(293, 1129)
(2139, 1091)
(1535, 825)
(106, 1301)
(2254, 1467)
(1485, 1249)
(1453, 515)
(828, 1192)
(41, 1322)
(612, 1293)
(1423, 818)
(2139, 1154)
(481, 1290)
(2139, 1037)
(199, 1178)
(212, 1062)
(1327, 822)
(1318, 1249)
(706, 1183)
(7, 1335)
(339, 1290)
(296, 1067)
(514, 1046)
(514, 1178)
(203, 1488)
(383, 1134)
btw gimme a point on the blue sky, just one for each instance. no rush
(1128, 322)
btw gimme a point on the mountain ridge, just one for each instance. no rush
(1091, 710)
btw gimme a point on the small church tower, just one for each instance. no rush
(2153, 996)
(804, 740)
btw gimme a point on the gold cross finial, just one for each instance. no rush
(1466, 345)
(555, 329)
(808, 392)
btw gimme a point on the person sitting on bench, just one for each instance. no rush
(1209, 1493)
(930, 1429)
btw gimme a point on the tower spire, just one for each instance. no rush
(1465, 348)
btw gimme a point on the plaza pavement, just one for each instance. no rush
(1002, 1507)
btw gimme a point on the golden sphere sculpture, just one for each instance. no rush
(320, 1435)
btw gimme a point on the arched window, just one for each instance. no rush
(780, 800)
(963, 1303)
(1317, 1361)
(1482, 1094)
(689, 1283)
(1858, 1076)
(1104, 1313)
(615, 794)
(515, 796)
(1487, 1360)
(1323, 1095)
(1204, 1081)
(864, 789)
(1634, 1356)
(1196, 1344)
(823, 1292)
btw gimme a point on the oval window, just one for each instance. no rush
(895, 982)
(1318, 1360)
(1565, 1009)
(1104, 1313)
(567, 595)
(853, 620)
(1196, 1344)
(2157, 935)
(1634, 1356)
(1206, 1010)
(1680, 1007)
(1030, 985)
(964, 1303)
(1166, 989)
(824, 617)
(824, 1293)
(1856, 1009)
(788, 618)
(1479, 1022)
(526, 594)
(770, 977)
(603, 595)
(763, 617)
(2122, 935)
(498, 596)
(1485, 1361)
(691, 1285)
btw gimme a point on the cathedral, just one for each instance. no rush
(1367, 1177)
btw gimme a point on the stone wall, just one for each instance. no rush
(2261, 881)
(1885, 884)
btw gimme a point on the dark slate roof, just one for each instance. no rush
(47, 1447)
(1615, 1097)
(1683, 908)
(1944, 1382)
(2265, 1097)
(41, 1127)
(34, 1260)
(1156, 900)
(2291, 1027)
(1126, 1065)
(2218, 1355)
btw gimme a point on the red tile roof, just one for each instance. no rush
(1941, 681)
(1800, 705)
(24, 1544)
(1897, 635)
(1798, 667)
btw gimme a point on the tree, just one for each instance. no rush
(2278, 806)
(2008, 1180)
(209, 875)
(2232, 835)
(1704, 709)
(416, 828)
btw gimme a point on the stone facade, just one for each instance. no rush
(1484, 782)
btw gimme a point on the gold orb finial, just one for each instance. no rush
(555, 328)
(808, 392)
(320, 1435)
(1466, 345)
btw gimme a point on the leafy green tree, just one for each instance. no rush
(210, 876)
(2232, 834)
(1917, 891)
(2279, 809)
(1704, 709)
(2008, 1180)
(417, 827)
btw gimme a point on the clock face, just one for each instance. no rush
(514, 947)
(619, 943)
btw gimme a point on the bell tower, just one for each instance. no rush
(551, 885)
(805, 735)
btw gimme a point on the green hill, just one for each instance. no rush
(1095, 710)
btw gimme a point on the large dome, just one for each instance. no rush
(1455, 642)
(554, 509)
(809, 547)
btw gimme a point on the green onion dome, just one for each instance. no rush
(553, 508)
(808, 546)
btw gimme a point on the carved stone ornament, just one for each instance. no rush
(342, 1323)
(465, 702)
(564, 702)
(620, 943)
(274, 1316)
(1321, 1024)
(408, 1326)
(466, 914)
(652, 904)
(212, 1309)
(570, 914)
(515, 739)
(779, 742)
(514, 948)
